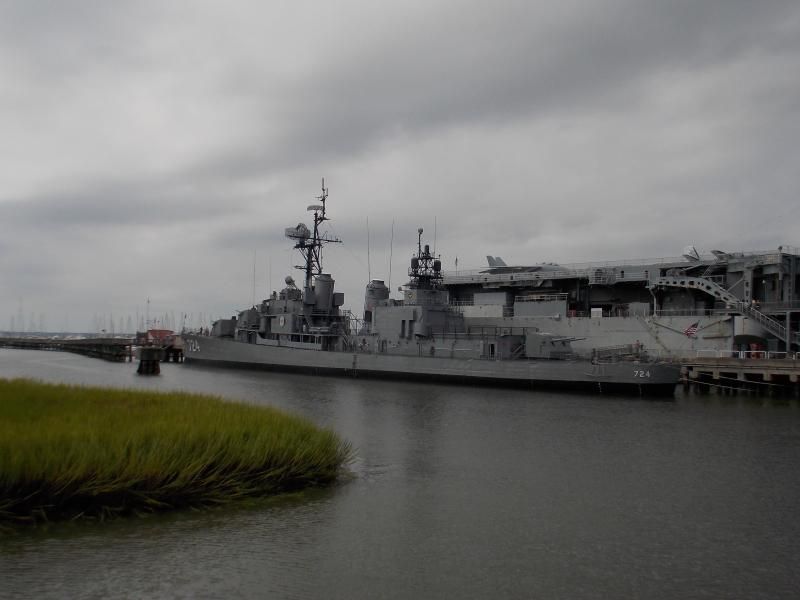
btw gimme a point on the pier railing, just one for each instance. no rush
(113, 349)
(748, 354)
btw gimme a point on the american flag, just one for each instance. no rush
(691, 330)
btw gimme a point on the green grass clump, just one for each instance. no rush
(71, 451)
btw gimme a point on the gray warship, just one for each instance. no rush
(424, 336)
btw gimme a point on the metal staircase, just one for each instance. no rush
(697, 283)
(720, 293)
(710, 270)
(517, 352)
(768, 323)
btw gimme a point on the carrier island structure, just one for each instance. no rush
(464, 328)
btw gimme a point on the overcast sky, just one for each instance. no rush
(152, 149)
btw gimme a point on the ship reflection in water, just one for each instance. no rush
(458, 492)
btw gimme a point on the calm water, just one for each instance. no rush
(457, 492)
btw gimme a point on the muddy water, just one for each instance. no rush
(457, 492)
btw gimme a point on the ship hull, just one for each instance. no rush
(646, 379)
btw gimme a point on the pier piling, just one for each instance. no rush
(149, 361)
(759, 376)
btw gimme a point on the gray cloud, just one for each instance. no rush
(121, 203)
(490, 65)
(149, 150)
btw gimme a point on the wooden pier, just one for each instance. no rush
(113, 349)
(751, 372)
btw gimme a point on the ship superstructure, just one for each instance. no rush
(427, 322)
(310, 317)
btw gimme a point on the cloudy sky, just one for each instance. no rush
(155, 149)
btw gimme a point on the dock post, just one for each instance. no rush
(149, 361)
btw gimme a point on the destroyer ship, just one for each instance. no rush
(433, 333)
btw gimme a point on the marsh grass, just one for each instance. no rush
(71, 451)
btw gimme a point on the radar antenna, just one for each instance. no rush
(426, 267)
(310, 245)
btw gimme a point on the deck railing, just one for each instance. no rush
(562, 269)
(690, 312)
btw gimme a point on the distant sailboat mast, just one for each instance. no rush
(391, 246)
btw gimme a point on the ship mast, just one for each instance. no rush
(311, 247)
(426, 267)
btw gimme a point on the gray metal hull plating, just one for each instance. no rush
(630, 377)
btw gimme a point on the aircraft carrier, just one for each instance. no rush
(720, 303)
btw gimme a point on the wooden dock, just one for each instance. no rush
(751, 372)
(113, 349)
